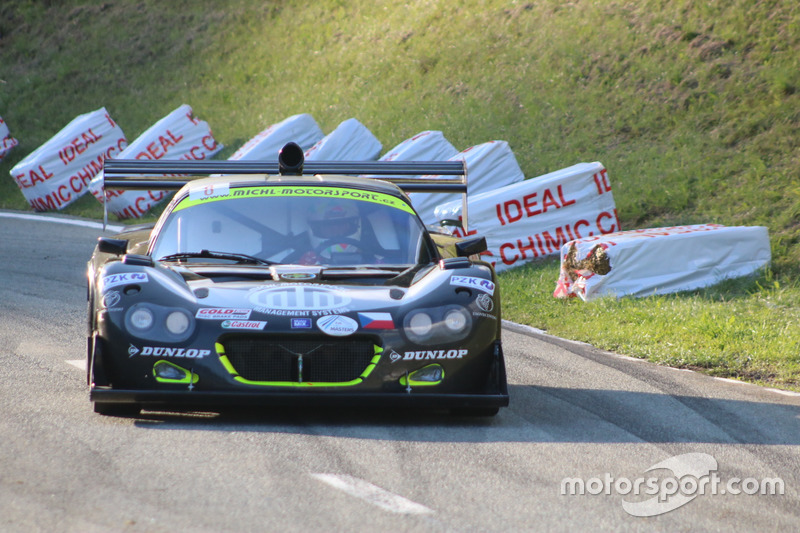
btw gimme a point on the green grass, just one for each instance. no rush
(694, 108)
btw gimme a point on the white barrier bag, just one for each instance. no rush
(179, 135)
(301, 129)
(490, 165)
(534, 218)
(652, 261)
(7, 142)
(424, 146)
(59, 171)
(350, 141)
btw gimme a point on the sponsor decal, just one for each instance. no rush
(163, 351)
(207, 192)
(123, 279)
(243, 324)
(485, 302)
(278, 191)
(110, 299)
(394, 356)
(473, 283)
(376, 320)
(337, 325)
(301, 323)
(424, 355)
(221, 313)
(300, 300)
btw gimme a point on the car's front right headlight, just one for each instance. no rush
(139, 318)
(437, 325)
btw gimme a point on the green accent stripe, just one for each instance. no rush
(281, 191)
(360, 379)
(185, 380)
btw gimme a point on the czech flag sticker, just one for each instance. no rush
(376, 320)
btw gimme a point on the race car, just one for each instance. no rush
(292, 283)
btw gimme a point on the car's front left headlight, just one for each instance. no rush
(154, 322)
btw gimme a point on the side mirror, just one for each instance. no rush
(112, 246)
(471, 246)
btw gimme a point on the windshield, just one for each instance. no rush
(295, 225)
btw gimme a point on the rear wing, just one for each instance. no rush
(137, 174)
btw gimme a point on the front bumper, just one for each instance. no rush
(186, 399)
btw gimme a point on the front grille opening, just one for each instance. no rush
(324, 359)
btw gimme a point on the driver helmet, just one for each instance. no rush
(331, 220)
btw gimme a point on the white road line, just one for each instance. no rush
(57, 220)
(371, 494)
(77, 363)
(733, 381)
(785, 392)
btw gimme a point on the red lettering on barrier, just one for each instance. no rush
(506, 260)
(34, 177)
(63, 196)
(76, 187)
(601, 181)
(209, 142)
(547, 200)
(78, 145)
(531, 247)
(548, 242)
(513, 218)
(141, 208)
(529, 202)
(498, 208)
(194, 155)
(515, 211)
(581, 223)
(600, 218)
(191, 117)
(165, 143)
(157, 198)
(154, 150)
(554, 244)
(46, 203)
(564, 202)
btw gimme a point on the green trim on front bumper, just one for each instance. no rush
(360, 379)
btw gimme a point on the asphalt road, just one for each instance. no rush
(575, 450)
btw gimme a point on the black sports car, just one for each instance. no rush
(291, 283)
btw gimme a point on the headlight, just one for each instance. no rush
(178, 322)
(420, 324)
(157, 323)
(456, 319)
(140, 318)
(437, 325)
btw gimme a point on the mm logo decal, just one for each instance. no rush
(299, 297)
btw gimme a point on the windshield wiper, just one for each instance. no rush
(208, 254)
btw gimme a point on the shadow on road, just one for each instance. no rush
(536, 414)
